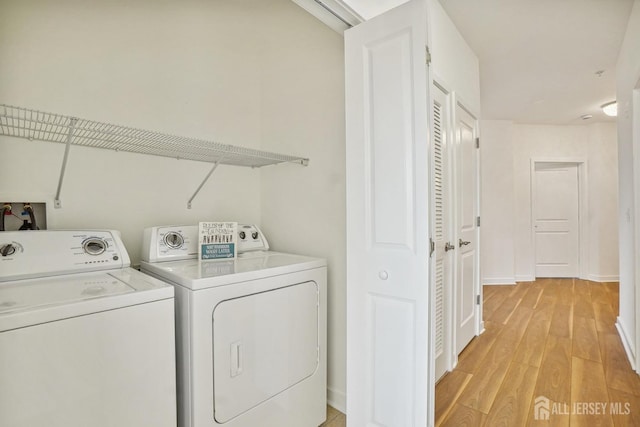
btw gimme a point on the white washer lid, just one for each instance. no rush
(194, 274)
(34, 301)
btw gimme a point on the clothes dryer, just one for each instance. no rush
(251, 332)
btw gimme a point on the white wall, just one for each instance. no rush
(628, 78)
(497, 230)
(254, 73)
(507, 150)
(454, 65)
(603, 203)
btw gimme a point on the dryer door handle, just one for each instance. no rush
(236, 358)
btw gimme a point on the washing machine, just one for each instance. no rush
(85, 340)
(250, 332)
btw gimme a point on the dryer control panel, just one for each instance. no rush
(250, 238)
(176, 242)
(30, 254)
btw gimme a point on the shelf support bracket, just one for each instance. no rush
(206, 178)
(57, 203)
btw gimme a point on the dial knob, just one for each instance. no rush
(173, 240)
(94, 246)
(7, 250)
(254, 235)
(242, 235)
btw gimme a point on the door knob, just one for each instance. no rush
(463, 243)
(449, 247)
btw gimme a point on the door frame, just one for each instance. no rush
(583, 211)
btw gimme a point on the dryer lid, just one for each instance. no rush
(194, 274)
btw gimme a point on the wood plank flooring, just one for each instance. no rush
(554, 338)
(335, 418)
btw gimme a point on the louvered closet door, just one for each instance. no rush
(440, 202)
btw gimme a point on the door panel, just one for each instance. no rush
(467, 273)
(556, 222)
(388, 322)
(389, 166)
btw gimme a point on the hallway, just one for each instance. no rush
(554, 338)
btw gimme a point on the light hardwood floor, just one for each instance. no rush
(335, 418)
(554, 338)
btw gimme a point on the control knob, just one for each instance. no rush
(94, 246)
(173, 240)
(7, 250)
(242, 235)
(254, 235)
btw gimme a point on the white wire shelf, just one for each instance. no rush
(38, 125)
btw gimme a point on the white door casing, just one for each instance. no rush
(556, 219)
(635, 361)
(467, 261)
(441, 214)
(388, 294)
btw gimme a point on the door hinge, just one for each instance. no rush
(428, 55)
(477, 142)
(432, 247)
(478, 221)
(478, 299)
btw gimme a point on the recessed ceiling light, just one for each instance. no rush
(610, 108)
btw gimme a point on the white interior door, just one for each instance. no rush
(556, 225)
(441, 265)
(467, 271)
(388, 293)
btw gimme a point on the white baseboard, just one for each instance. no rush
(499, 281)
(337, 399)
(626, 342)
(524, 278)
(596, 278)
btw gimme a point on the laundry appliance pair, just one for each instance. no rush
(86, 340)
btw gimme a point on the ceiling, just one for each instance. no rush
(538, 58)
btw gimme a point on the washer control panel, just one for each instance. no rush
(172, 243)
(26, 254)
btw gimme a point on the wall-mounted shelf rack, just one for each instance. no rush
(38, 125)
